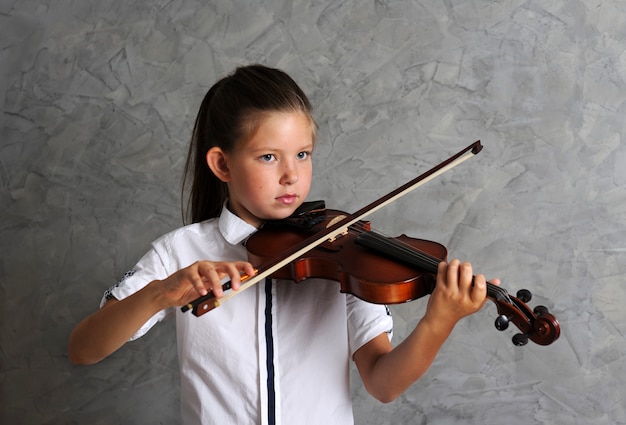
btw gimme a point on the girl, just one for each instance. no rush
(278, 353)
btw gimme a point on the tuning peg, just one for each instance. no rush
(540, 310)
(502, 322)
(520, 339)
(524, 295)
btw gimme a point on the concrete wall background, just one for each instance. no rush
(98, 100)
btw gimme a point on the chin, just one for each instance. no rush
(283, 212)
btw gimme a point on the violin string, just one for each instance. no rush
(390, 244)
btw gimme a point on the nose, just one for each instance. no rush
(289, 173)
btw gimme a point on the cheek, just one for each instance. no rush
(309, 174)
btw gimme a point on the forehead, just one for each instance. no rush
(279, 128)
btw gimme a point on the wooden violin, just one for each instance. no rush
(384, 270)
(330, 244)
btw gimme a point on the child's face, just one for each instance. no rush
(270, 174)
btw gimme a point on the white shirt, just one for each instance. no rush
(223, 354)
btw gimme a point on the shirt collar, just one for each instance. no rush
(233, 228)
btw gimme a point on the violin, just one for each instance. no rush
(330, 244)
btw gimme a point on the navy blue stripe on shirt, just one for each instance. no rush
(269, 346)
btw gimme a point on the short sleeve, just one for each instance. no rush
(148, 269)
(366, 321)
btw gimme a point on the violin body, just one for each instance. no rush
(360, 271)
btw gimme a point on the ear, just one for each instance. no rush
(217, 161)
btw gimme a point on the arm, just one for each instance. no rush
(106, 330)
(386, 371)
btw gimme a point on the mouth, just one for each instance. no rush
(287, 199)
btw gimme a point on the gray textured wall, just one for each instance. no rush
(98, 99)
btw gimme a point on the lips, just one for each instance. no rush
(287, 199)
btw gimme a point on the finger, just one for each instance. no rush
(211, 278)
(442, 275)
(233, 271)
(479, 291)
(465, 276)
(495, 282)
(249, 269)
(245, 271)
(442, 270)
(197, 282)
(453, 273)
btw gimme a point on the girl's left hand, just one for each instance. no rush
(458, 293)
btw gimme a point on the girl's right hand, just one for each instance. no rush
(202, 277)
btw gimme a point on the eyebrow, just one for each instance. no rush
(308, 147)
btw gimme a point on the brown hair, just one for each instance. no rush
(229, 114)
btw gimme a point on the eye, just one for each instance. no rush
(303, 155)
(267, 157)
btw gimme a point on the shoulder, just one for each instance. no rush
(204, 230)
(185, 245)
